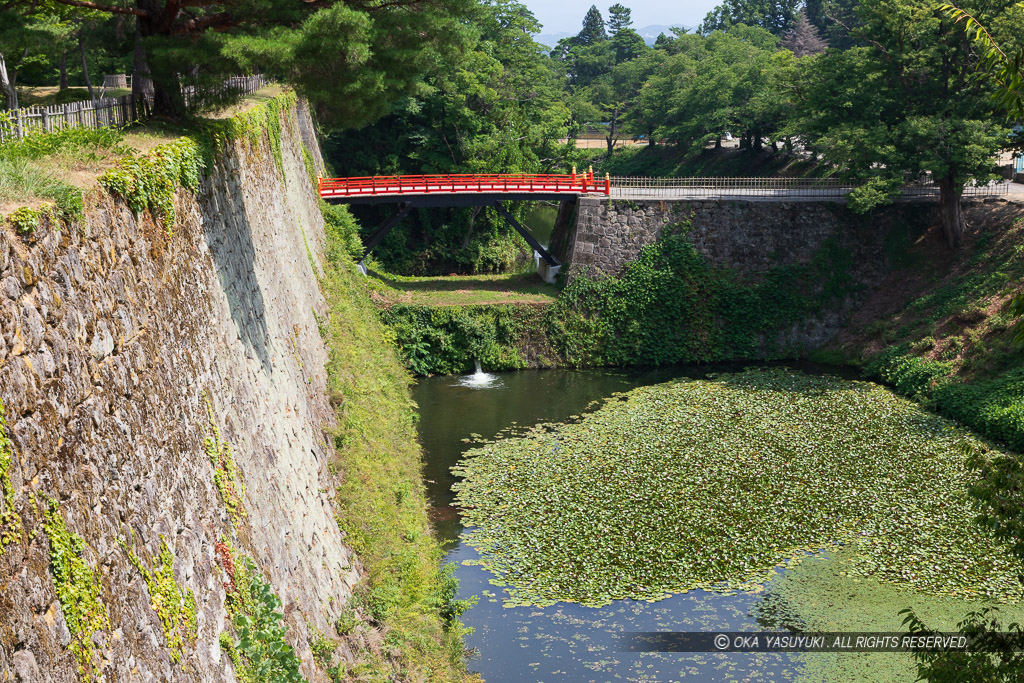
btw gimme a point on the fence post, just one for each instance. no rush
(20, 128)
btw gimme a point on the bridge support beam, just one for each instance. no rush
(548, 258)
(413, 202)
(382, 230)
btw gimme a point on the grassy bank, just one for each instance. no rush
(381, 500)
(48, 174)
(939, 330)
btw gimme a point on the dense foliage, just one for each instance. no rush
(713, 483)
(355, 56)
(499, 109)
(669, 306)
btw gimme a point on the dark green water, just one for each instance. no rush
(566, 642)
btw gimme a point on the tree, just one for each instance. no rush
(834, 19)
(729, 80)
(907, 108)
(357, 55)
(619, 18)
(628, 45)
(803, 38)
(774, 16)
(500, 109)
(593, 28)
(24, 33)
(1006, 71)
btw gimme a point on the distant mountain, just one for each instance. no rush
(551, 39)
(648, 33)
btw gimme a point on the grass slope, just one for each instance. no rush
(381, 499)
(937, 329)
(461, 290)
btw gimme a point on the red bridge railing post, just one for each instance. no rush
(607, 184)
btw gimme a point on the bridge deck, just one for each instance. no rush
(450, 184)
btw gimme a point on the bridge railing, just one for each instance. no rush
(766, 187)
(582, 183)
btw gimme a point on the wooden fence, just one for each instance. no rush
(101, 113)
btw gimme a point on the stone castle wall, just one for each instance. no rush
(113, 334)
(749, 237)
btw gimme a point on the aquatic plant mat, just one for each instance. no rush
(714, 483)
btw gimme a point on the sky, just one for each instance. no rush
(567, 15)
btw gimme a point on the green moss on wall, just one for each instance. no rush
(10, 522)
(265, 119)
(78, 589)
(175, 608)
(225, 471)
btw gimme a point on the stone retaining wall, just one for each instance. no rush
(112, 335)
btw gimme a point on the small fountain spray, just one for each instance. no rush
(479, 379)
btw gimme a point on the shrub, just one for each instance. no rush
(923, 344)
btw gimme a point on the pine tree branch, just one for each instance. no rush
(104, 8)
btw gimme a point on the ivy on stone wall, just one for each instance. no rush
(176, 608)
(10, 522)
(78, 588)
(671, 305)
(150, 182)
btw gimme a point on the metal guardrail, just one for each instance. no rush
(800, 188)
(101, 113)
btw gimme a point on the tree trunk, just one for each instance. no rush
(7, 85)
(85, 67)
(162, 82)
(63, 70)
(469, 230)
(953, 224)
(775, 146)
(718, 142)
(756, 137)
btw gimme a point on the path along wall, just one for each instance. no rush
(113, 336)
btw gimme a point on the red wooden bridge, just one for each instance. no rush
(512, 184)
